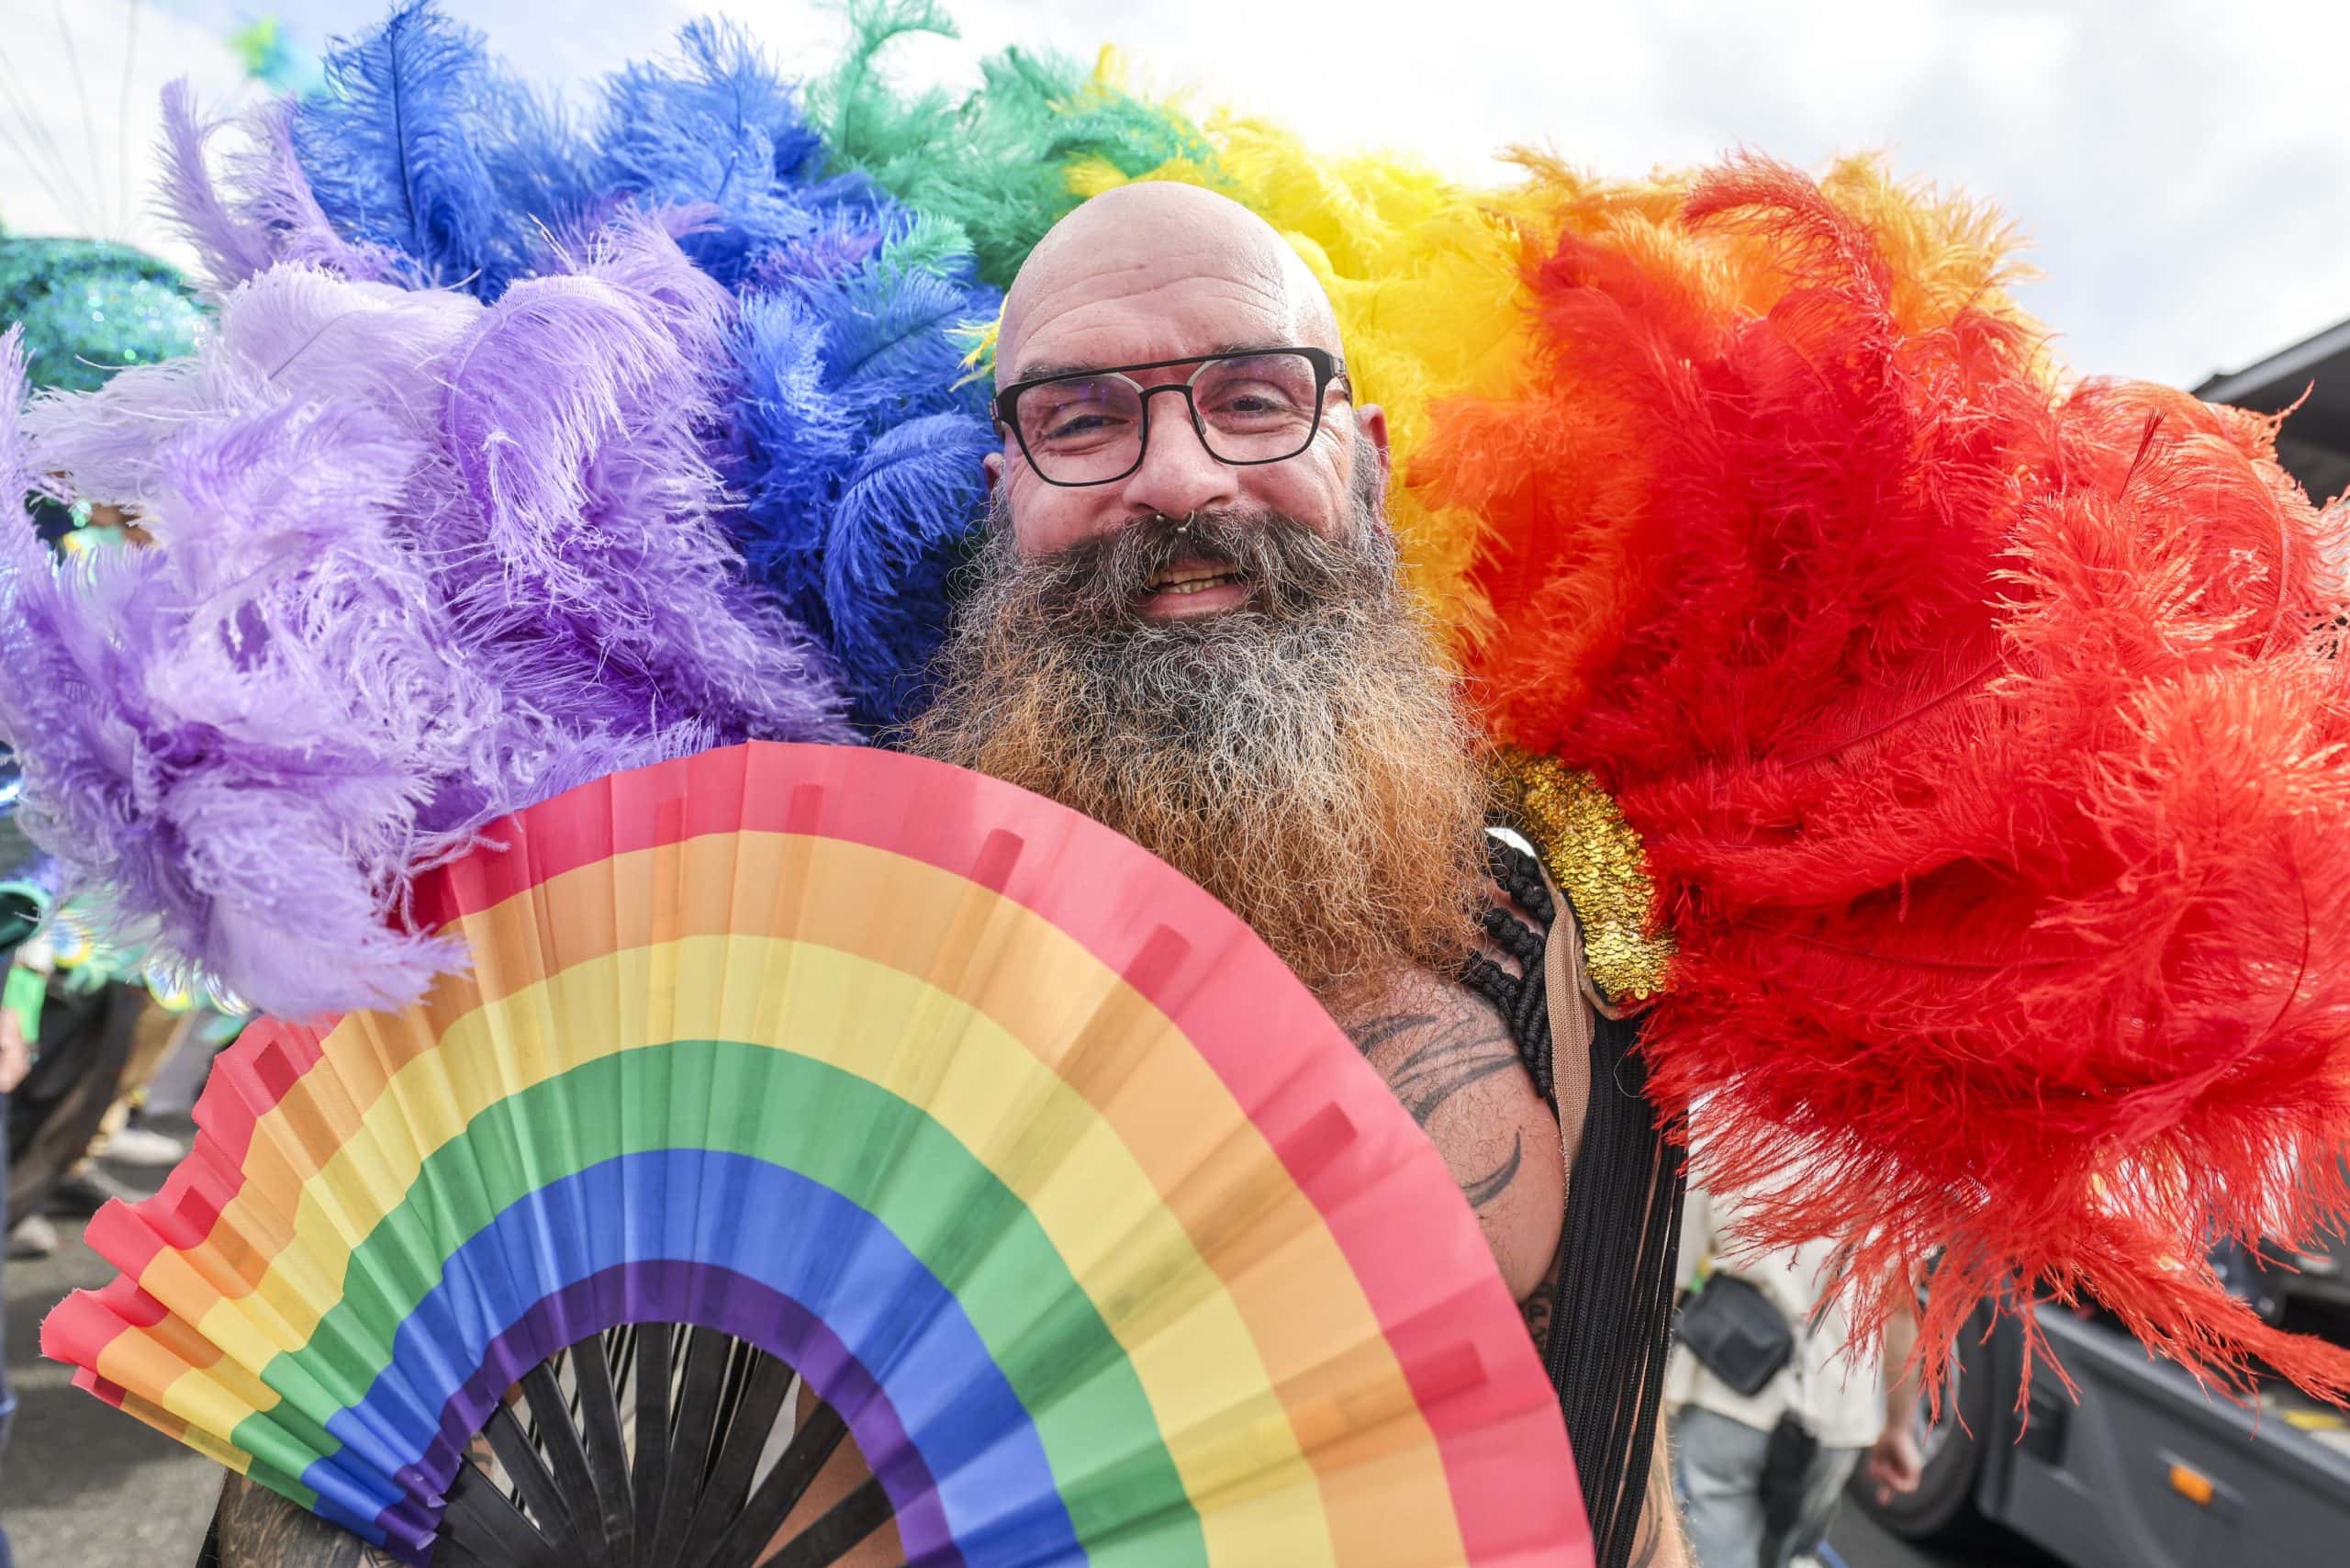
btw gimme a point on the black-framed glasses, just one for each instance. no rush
(1250, 406)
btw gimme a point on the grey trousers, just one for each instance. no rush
(1718, 1471)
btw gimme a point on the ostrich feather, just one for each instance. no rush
(712, 146)
(393, 149)
(1983, 740)
(523, 489)
(895, 338)
(232, 736)
(290, 328)
(229, 248)
(543, 163)
(994, 161)
(262, 211)
(792, 439)
(857, 456)
(903, 525)
(718, 128)
(574, 417)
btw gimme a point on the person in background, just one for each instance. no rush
(1759, 1475)
(159, 1033)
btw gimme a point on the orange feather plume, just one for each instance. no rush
(1986, 739)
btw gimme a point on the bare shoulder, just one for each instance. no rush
(1449, 1059)
(255, 1528)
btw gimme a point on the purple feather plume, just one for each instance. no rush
(228, 247)
(419, 562)
(268, 213)
(290, 330)
(576, 411)
(231, 736)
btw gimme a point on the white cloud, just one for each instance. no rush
(2182, 169)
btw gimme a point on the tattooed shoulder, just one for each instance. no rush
(1440, 1043)
(1450, 1059)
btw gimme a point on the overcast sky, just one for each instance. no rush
(2182, 170)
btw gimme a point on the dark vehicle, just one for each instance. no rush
(2145, 1470)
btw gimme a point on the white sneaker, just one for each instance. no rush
(137, 1146)
(33, 1237)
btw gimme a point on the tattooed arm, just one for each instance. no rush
(1449, 1058)
(1536, 1308)
(1657, 1541)
(255, 1528)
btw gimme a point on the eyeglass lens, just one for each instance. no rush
(1252, 409)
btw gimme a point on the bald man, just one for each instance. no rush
(1185, 622)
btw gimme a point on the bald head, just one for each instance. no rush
(1191, 258)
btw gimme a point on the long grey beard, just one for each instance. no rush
(1304, 758)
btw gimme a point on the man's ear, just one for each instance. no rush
(1371, 420)
(993, 467)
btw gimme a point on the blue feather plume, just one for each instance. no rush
(903, 527)
(857, 452)
(895, 344)
(850, 444)
(718, 128)
(393, 151)
(543, 167)
(792, 440)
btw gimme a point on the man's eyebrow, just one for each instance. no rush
(1047, 370)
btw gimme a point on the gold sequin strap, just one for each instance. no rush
(1595, 857)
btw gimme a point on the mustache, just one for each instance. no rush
(1292, 570)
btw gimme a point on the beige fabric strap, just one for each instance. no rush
(1574, 1021)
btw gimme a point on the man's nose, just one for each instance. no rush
(1179, 474)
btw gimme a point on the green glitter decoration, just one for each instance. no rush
(90, 307)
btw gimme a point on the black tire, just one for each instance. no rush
(1941, 1511)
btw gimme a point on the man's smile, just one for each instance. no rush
(1193, 585)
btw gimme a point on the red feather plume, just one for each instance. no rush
(1986, 740)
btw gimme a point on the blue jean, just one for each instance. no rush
(1718, 1471)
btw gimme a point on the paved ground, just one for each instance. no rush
(1858, 1543)
(84, 1487)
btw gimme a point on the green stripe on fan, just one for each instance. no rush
(869, 1145)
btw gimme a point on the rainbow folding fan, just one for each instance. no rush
(1097, 1233)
